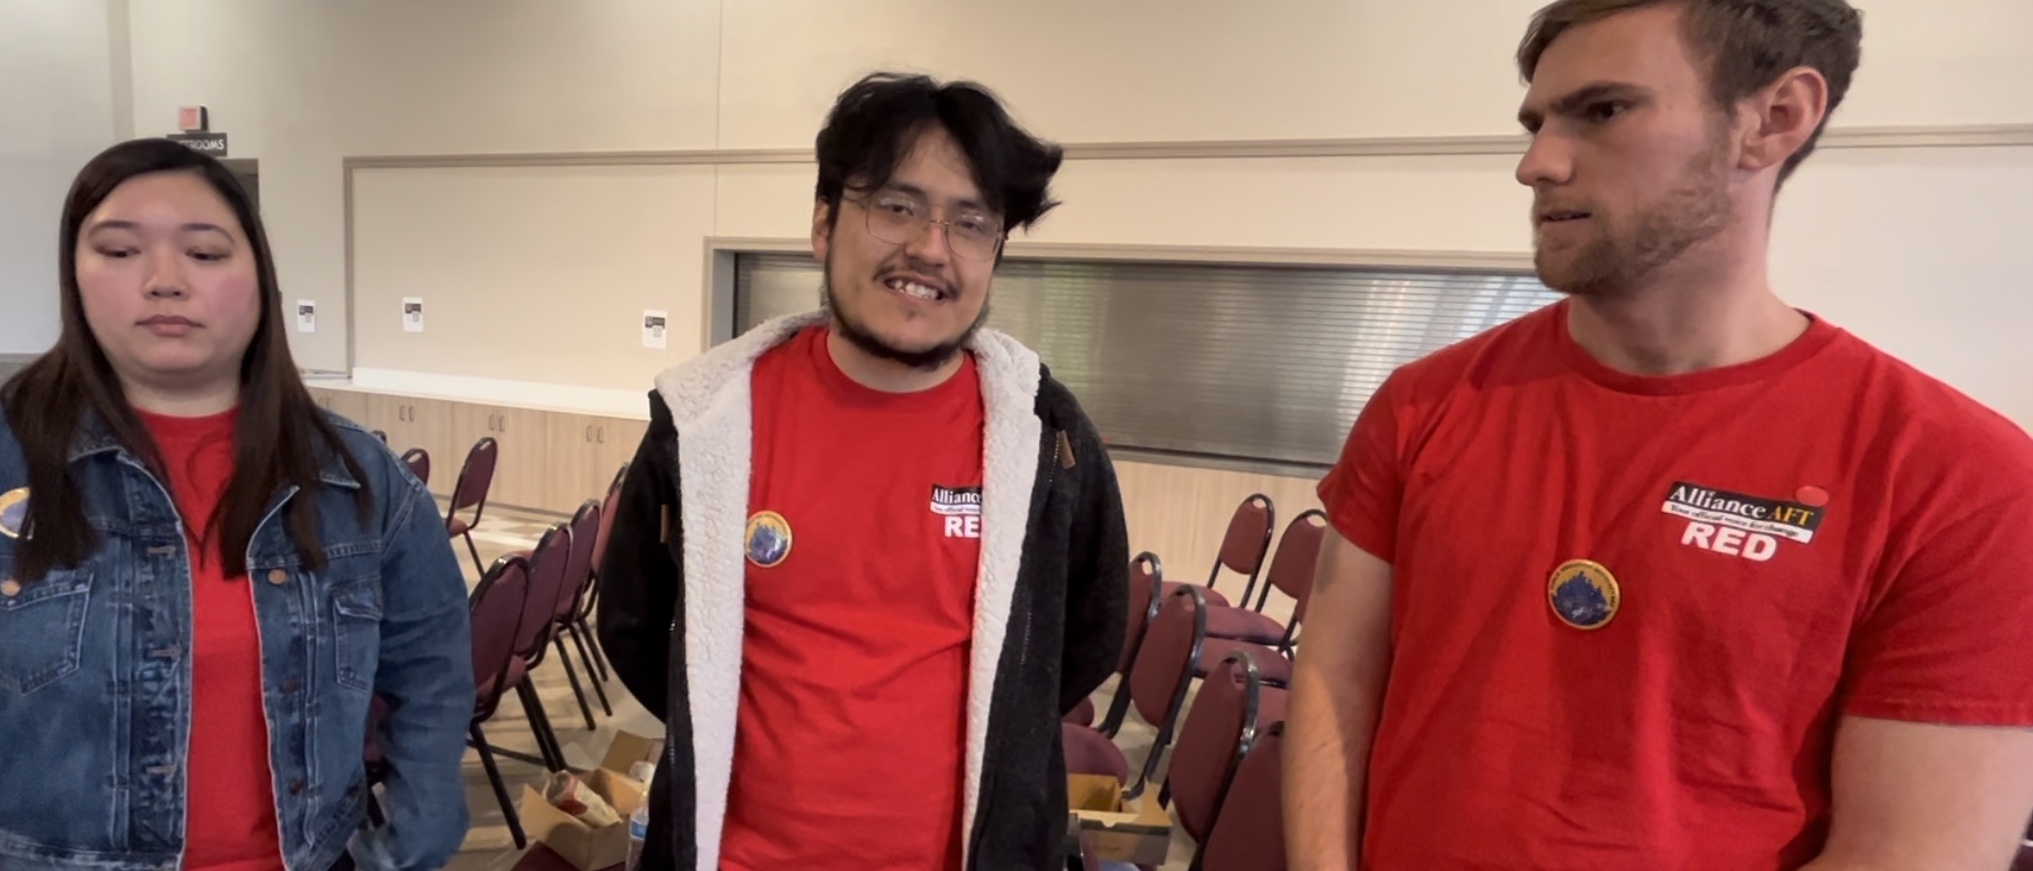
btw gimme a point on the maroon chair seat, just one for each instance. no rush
(1090, 752)
(1249, 830)
(1082, 714)
(1214, 597)
(1273, 666)
(1243, 624)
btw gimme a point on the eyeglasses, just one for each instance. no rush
(898, 218)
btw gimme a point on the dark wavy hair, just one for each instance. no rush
(875, 123)
(280, 430)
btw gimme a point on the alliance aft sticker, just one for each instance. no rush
(961, 509)
(1741, 525)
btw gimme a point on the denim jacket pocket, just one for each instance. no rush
(356, 607)
(42, 627)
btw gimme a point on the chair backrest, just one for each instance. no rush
(607, 517)
(419, 462)
(1249, 832)
(496, 610)
(1248, 538)
(1146, 579)
(1292, 567)
(1218, 732)
(547, 565)
(579, 566)
(1164, 665)
(1090, 752)
(475, 478)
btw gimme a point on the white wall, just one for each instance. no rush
(1914, 249)
(56, 111)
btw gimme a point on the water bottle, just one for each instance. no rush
(638, 831)
(638, 822)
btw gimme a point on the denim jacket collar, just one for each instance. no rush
(95, 437)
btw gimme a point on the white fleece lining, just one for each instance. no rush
(710, 399)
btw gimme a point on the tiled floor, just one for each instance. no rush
(488, 846)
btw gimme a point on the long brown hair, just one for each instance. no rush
(280, 431)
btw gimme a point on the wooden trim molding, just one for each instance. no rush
(1836, 138)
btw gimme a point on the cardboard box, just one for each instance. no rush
(586, 847)
(1138, 835)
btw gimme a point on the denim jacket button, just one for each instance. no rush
(291, 686)
(10, 588)
(278, 577)
(296, 787)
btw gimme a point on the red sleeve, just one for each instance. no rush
(1361, 493)
(1947, 642)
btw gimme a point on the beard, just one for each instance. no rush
(1624, 254)
(865, 340)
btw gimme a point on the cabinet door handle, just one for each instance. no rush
(504, 424)
(601, 437)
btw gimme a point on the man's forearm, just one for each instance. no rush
(1328, 729)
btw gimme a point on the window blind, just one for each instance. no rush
(1240, 362)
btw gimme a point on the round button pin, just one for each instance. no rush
(10, 588)
(278, 577)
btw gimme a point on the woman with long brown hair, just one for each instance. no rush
(205, 578)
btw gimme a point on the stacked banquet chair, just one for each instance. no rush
(1231, 628)
(1243, 547)
(498, 611)
(1218, 742)
(586, 525)
(590, 602)
(476, 477)
(497, 608)
(1249, 830)
(1233, 707)
(548, 564)
(1291, 573)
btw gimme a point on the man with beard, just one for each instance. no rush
(1669, 574)
(867, 557)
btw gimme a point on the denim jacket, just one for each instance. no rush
(95, 686)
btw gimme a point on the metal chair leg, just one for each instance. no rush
(572, 674)
(593, 644)
(500, 787)
(540, 726)
(598, 690)
(474, 549)
(1118, 708)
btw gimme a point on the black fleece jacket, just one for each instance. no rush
(1066, 628)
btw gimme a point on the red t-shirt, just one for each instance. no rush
(229, 820)
(1819, 533)
(852, 718)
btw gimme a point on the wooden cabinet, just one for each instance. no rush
(420, 423)
(520, 439)
(546, 461)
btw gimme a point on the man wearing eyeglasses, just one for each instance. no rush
(868, 556)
